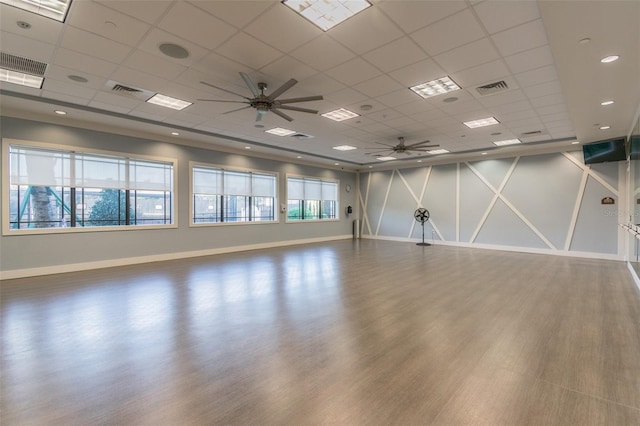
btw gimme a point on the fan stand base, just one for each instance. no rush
(423, 244)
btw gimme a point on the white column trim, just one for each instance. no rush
(458, 202)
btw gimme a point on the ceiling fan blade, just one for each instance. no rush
(238, 109)
(282, 114)
(250, 84)
(303, 99)
(220, 100)
(291, 108)
(224, 90)
(420, 150)
(286, 86)
(384, 144)
(421, 144)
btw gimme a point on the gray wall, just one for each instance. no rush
(521, 203)
(33, 251)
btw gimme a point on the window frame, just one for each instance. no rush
(315, 178)
(6, 189)
(235, 169)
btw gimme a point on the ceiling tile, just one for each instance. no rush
(449, 33)
(121, 101)
(65, 97)
(323, 84)
(42, 29)
(139, 79)
(28, 48)
(236, 13)
(508, 117)
(508, 97)
(417, 73)
(399, 97)
(378, 86)
(196, 26)
(497, 16)
(61, 74)
(108, 23)
(287, 67)
(552, 109)
(530, 59)
(353, 72)
(83, 63)
(323, 53)
(485, 73)
(148, 11)
(396, 54)
(511, 107)
(537, 76)
(249, 51)
(155, 65)
(366, 31)
(94, 45)
(548, 88)
(412, 15)
(521, 38)
(218, 69)
(553, 99)
(107, 107)
(470, 55)
(276, 25)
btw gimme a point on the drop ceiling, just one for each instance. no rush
(555, 83)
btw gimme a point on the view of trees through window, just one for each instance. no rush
(311, 199)
(47, 190)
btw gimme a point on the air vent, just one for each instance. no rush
(23, 65)
(301, 136)
(491, 88)
(128, 91)
(533, 133)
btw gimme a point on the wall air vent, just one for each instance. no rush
(128, 91)
(23, 65)
(492, 88)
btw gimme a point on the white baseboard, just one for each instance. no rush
(581, 254)
(85, 266)
(634, 274)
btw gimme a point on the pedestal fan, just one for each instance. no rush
(422, 215)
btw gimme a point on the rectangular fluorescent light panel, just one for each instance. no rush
(326, 14)
(435, 87)
(344, 147)
(168, 102)
(54, 9)
(279, 131)
(481, 123)
(21, 78)
(340, 114)
(438, 151)
(386, 158)
(507, 142)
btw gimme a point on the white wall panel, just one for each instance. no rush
(397, 217)
(504, 228)
(440, 199)
(493, 170)
(375, 200)
(475, 199)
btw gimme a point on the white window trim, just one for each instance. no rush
(6, 231)
(286, 202)
(193, 164)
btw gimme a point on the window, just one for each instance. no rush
(312, 199)
(61, 188)
(221, 195)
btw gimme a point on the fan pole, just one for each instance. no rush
(423, 243)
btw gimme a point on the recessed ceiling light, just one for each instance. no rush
(54, 9)
(371, 167)
(340, 114)
(326, 14)
(419, 161)
(481, 123)
(605, 127)
(175, 133)
(21, 24)
(21, 78)
(483, 153)
(279, 131)
(507, 142)
(575, 143)
(605, 103)
(336, 164)
(344, 147)
(438, 151)
(168, 102)
(173, 50)
(608, 59)
(299, 156)
(366, 107)
(435, 87)
(247, 147)
(386, 158)
(60, 112)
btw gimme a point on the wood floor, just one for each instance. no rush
(347, 333)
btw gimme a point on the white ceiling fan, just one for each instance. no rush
(265, 103)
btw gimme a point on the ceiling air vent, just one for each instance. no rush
(533, 133)
(128, 91)
(23, 65)
(491, 88)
